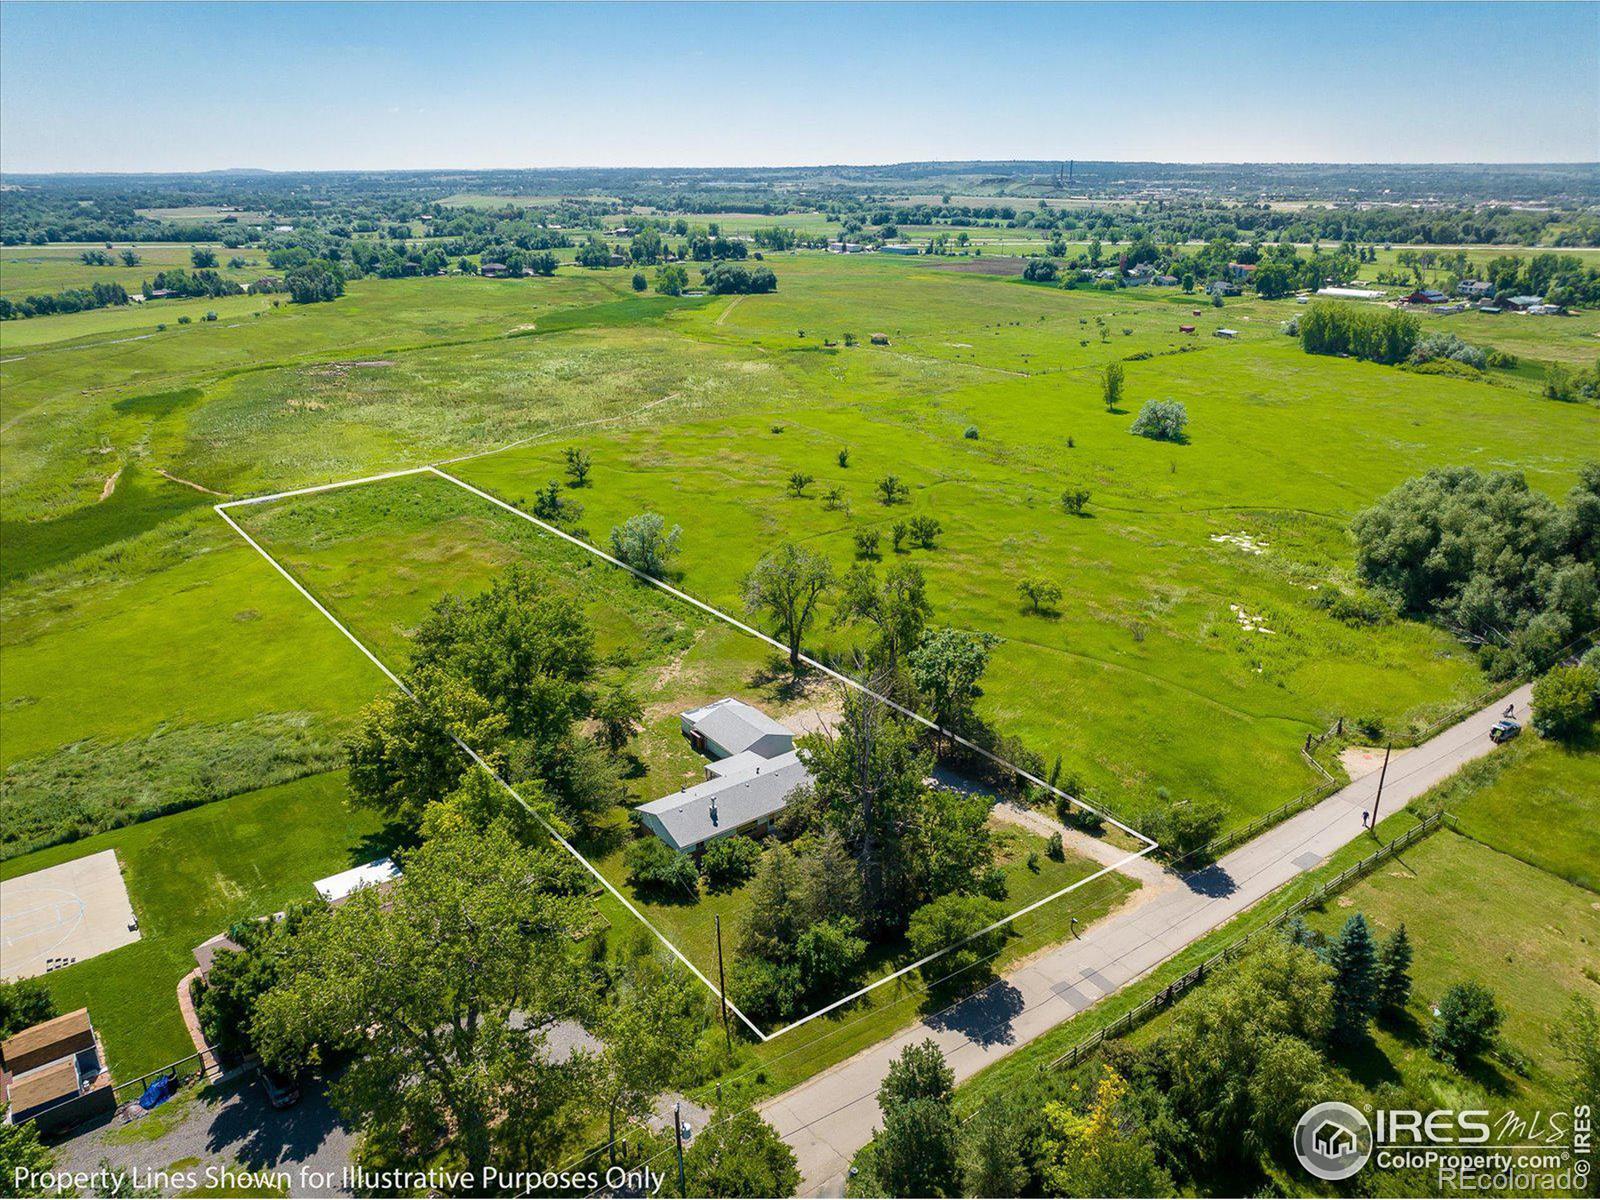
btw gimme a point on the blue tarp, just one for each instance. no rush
(157, 1093)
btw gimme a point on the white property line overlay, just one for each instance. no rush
(1149, 844)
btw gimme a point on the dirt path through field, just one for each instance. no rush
(189, 483)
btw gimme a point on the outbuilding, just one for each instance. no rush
(729, 726)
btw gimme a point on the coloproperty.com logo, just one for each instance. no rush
(1465, 1150)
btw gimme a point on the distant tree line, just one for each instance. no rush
(96, 295)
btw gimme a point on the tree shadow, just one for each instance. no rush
(1487, 1074)
(602, 840)
(244, 1127)
(1367, 1064)
(1213, 881)
(382, 843)
(984, 1018)
(776, 679)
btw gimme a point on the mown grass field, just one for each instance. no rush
(1538, 802)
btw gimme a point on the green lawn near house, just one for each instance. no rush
(192, 875)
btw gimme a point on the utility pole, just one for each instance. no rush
(677, 1132)
(1382, 775)
(722, 987)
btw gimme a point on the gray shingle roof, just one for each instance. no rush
(736, 726)
(736, 799)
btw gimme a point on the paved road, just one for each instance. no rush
(832, 1115)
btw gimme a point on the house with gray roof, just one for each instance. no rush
(753, 771)
(728, 727)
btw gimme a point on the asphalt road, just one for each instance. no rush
(832, 1115)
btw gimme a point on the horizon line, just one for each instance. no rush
(883, 165)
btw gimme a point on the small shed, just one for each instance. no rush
(336, 889)
(729, 726)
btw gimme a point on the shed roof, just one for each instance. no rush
(734, 725)
(336, 887)
(44, 1086)
(737, 799)
(64, 1034)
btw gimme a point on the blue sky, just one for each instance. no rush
(310, 86)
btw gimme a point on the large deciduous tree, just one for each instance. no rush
(419, 986)
(787, 585)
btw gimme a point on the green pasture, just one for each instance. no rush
(1147, 651)
(193, 875)
(381, 554)
(700, 409)
(58, 266)
(151, 672)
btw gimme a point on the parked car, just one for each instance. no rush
(282, 1091)
(1504, 730)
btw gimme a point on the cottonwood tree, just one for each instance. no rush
(645, 543)
(577, 466)
(1040, 594)
(1111, 386)
(416, 987)
(1218, 1057)
(652, 1014)
(620, 715)
(24, 1002)
(24, 1159)
(404, 756)
(896, 608)
(867, 778)
(787, 585)
(947, 666)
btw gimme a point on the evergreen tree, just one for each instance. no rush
(1354, 959)
(1394, 971)
(1298, 933)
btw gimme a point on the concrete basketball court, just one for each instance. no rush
(64, 914)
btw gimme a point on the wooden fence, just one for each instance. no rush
(1168, 995)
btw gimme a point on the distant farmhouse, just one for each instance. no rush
(752, 773)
